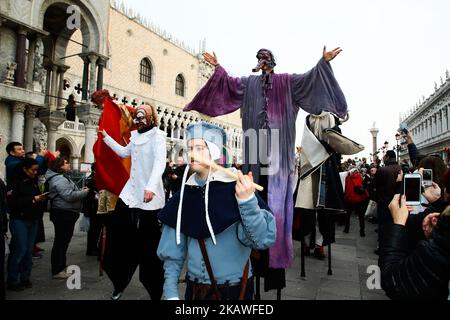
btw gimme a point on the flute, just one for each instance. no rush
(231, 174)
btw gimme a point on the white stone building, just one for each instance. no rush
(52, 58)
(429, 121)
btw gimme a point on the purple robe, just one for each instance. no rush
(272, 102)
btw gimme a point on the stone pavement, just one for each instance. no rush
(351, 255)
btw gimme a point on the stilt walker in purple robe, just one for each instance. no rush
(269, 104)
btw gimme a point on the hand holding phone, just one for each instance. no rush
(399, 210)
(412, 186)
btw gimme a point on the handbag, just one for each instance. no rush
(340, 143)
(371, 210)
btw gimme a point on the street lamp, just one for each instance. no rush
(397, 138)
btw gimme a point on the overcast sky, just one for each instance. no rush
(394, 51)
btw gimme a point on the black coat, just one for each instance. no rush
(414, 223)
(90, 203)
(385, 182)
(21, 200)
(423, 274)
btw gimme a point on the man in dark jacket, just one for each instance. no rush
(386, 184)
(423, 274)
(16, 156)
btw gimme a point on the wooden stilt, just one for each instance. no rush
(329, 260)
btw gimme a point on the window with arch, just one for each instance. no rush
(179, 85)
(146, 71)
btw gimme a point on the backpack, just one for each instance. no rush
(48, 202)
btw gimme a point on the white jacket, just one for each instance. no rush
(148, 161)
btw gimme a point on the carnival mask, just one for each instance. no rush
(140, 119)
(265, 58)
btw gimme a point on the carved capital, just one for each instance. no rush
(31, 111)
(19, 107)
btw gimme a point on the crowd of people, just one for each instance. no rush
(413, 241)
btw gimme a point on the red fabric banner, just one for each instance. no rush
(112, 172)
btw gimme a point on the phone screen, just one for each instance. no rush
(427, 176)
(412, 189)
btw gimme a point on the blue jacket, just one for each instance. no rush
(255, 229)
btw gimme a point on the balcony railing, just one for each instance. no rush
(72, 125)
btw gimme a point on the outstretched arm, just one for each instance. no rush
(123, 152)
(318, 90)
(222, 94)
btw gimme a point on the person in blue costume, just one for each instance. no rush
(212, 224)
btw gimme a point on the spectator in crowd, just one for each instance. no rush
(177, 175)
(89, 209)
(425, 272)
(40, 234)
(438, 200)
(16, 155)
(355, 198)
(364, 164)
(65, 205)
(166, 179)
(25, 203)
(387, 184)
(369, 185)
(438, 167)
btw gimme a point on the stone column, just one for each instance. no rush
(90, 126)
(101, 65)
(30, 65)
(52, 120)
(374, 131)
(85, 83)
(444, 120)
(61, 72)
(76, 162)
(19, 79)
(47, 84)
(93, 59)
(53, 88)
(430, 128)
(90, 116)
(30, 115)
(18, 119)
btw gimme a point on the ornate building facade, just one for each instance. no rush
(56, 53)
(429, 121)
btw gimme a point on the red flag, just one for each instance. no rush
(111, 171)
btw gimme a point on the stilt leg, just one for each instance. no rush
(329, 260)
(302, 259)
(258, 288)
